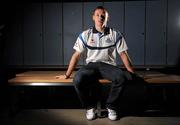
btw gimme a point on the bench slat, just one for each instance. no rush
(48, 78)
(43, 78)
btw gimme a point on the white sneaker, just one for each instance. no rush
(112, 115)
(90, 114)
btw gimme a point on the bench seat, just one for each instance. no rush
(43, 78)
(47, 78)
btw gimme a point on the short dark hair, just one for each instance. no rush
(98, 7)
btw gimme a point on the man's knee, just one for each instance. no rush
(120, 79)
(77, 80)
(80, 77)
(83, 76)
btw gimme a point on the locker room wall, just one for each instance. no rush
(43, 34)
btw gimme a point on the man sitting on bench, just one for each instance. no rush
(101, 44)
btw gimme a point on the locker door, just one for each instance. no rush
(173, 40)
(134, 30)
(72, 27)
(52, 32)
(156, 32)
(33, 45)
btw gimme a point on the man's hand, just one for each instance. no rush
(62, 76)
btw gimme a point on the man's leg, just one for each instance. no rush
(118, 78)
(86, 85)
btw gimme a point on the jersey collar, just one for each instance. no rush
(106, 30)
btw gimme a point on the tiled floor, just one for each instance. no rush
(77, 117)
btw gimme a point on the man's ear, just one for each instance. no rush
(93, 17)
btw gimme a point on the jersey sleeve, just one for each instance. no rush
(79, 46)
(120, 43)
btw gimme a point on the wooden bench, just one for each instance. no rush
(47, 78)
(43, 78)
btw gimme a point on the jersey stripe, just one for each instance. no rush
(98, 48)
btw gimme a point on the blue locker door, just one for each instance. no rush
(72, 27)
(52, 32)
(134, 30)
(156, 32)
(173, 40)
(33, 45)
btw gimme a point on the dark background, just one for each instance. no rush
(42, 33)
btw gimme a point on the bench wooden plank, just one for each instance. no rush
(44, 79)
(164, 79)
(48, 78)
(41, 73)
(33, 78)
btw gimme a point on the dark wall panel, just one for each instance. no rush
(52, 35)
(33, 44)
(173, 41)
(14, 44)
(72, 27)
(155, 48)
(134, 30)
(44, 33)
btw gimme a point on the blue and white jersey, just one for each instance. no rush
(101, 47)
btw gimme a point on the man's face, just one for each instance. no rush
(99, 17)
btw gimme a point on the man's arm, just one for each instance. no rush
(126, 61)
(73, 62)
